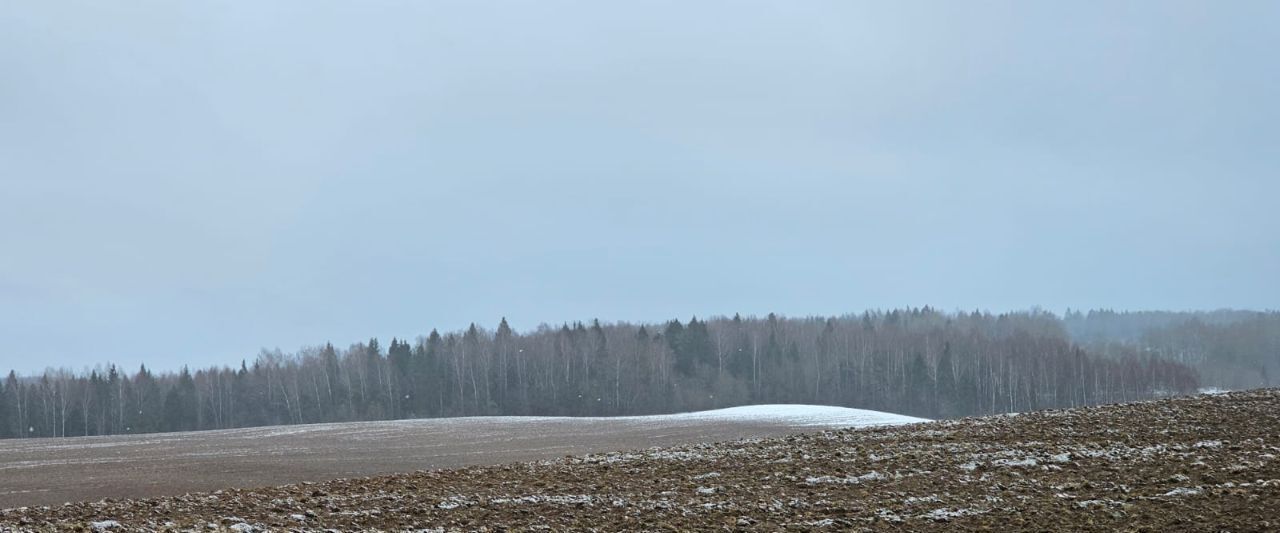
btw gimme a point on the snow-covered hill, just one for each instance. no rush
(792, 415)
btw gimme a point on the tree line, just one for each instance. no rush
(919, 362)
(1101, 326)
(1230, 349)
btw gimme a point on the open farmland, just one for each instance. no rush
(1201, 463)
(54, 471)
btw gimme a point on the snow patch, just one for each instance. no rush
(848, 480)
(454, 502)
(796, 415)
(564, 499)
(945, 515)
(932, 498)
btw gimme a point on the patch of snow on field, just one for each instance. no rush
(849, 480)
(945, 515)
(454, 502)
(566, 499)
(798, 415)
(1016, 463)
(932, 498)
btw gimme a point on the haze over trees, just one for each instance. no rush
(1230, 349)
(920, 362)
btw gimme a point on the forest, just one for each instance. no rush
(1230, 349)
(917, 361)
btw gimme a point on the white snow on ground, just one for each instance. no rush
(782, 414)
(847, 480)
(795, 415)
(563, 499)
(944, 515)
(1016, 463)
(818, 416)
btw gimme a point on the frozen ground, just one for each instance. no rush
(52, 471)
(1203, 463)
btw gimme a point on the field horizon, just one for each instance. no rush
(52, 471)
(1187, 463)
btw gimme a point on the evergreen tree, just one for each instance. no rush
(149, 417)
(697, 344)
(180, 404)
(6, 426)
(945, 399)
(919, 386)
(675, 342)
(433, 371)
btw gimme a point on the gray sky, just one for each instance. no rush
(186, 182)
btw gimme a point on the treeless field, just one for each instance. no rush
(1206, 463)
(54, 471)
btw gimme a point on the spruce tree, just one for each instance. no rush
(5, 431)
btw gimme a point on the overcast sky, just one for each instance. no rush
(187, 182)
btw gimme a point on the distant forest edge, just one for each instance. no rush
(920, 362)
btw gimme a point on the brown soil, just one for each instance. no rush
(53, 471)
(1207, 463)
